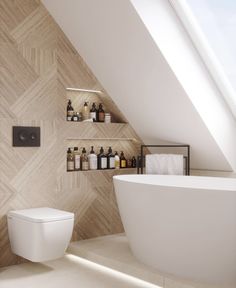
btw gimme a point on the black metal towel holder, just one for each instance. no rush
(140, 164)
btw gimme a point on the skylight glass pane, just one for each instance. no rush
(217, 20)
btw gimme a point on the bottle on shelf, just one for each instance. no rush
(110, 159)
(129, 163)
(84, 160)
(76, 159)
(75, 117)
(117, 161)
(134, 162)
(107, 118)
(70, 160)
(70, 110)
(101, 113)
(85, 111)
(93, 112)
(93, 160)
(102, 160)
(123, 162)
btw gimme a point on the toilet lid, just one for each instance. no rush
(43, 214)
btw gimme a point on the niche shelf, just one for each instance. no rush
(118, 134)
(80, 95)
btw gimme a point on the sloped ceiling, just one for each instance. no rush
(119, 49)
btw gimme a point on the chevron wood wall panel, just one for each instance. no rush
(37, 63)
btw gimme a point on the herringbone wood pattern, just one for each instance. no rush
(37, 63)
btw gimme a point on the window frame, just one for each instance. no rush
(199, 40)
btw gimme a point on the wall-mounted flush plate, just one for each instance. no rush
(26, 136)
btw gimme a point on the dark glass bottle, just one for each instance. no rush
(110, 159)
(70, 111)
(123, 162)
(102, 160)
(134, 162)
(101, 113)
(94, 113)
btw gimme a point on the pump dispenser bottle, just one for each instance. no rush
(93, 112)
(70, 111)
(85, 112)
(70, 160)
(93, 160)
(84, 160)
(101, 113)
(76, 158)
(102, 160)
(110, 159)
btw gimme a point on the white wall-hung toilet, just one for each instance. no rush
(40, 234)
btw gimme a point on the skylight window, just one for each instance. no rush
(212, 26)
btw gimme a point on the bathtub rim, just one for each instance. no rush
(204, 182)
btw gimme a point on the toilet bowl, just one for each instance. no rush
(40, 234)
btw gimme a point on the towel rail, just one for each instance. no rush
(187, 158)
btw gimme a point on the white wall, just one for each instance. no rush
(115, 43)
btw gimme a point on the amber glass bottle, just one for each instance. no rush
(101, 113)
(123, 162)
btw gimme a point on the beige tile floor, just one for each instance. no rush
(68, 272)
(113, 251)
(104, 262)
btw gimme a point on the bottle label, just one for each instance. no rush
(85, 165)
(70, 165)
(77, 162)
(123, 163)
(69, 118)
(112, 162)
(101, 116)
(93, 163)
(70, 113)
(103, 163)
(93, 115)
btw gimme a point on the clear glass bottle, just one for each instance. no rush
(70, 160)
(93, 160)
(84, 160)
(117, 161)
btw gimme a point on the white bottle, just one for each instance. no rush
(93, 160)
(76, 159)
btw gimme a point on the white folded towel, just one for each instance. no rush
(172, 164)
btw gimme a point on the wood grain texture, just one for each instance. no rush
(37, 63)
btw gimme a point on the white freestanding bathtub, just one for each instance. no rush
(181, 225)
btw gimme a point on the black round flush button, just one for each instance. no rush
(33, 136)
(23, 136)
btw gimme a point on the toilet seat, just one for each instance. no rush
(41, 215)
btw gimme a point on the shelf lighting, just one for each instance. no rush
(84, 90)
